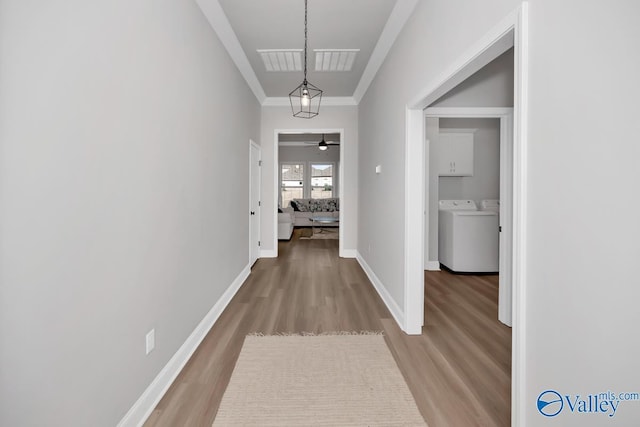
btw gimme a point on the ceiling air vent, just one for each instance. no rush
(335, 59)
(281, 59)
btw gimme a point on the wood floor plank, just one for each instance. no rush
(458, 369)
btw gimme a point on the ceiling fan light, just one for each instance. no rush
(322, 146)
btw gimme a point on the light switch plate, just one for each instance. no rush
(378, 168)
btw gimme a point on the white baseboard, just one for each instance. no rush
(268, 253)
(432, 266)
(391, 304)
(143, 407)
(349, 253)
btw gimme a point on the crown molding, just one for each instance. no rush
(220, 24)
(398, 18)
(222, 27)
(327, 101)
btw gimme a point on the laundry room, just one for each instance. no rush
(481, 180)
(468, 132)
(468, 167)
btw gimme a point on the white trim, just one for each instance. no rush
(489, 47)
(414, 218)
(140, 411)
(341, 198)
(505, 282)
(521, 102)
(327, 101)
(270, 253)
(432, 265)
(472, 61)
(468, 112)
(388, 300)
(398, 18)
(221, 25)
(349, 253)
(276, 188)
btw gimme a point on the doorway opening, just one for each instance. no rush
(490, 179)
(309, 166)
(510, 32)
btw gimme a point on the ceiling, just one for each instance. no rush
(366, 27)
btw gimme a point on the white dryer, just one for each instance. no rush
(468, 240)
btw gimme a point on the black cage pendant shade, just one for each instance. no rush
(305, 99)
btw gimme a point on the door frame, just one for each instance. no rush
(512, 31)
(505, 116)
(344, 204)
(252, 191)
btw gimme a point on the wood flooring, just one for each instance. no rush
(458, 369)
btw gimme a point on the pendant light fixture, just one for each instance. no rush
(305, 99)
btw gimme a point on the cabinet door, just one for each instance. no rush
(455, 154)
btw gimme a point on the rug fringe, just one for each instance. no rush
(315, 334)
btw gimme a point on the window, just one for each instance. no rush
(292, 183)
(321, 180)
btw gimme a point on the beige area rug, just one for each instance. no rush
(320, 233)
(325, 380)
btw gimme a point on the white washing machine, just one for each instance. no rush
(469, 239)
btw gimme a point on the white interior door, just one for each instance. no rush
(254, 202)
(505, 290)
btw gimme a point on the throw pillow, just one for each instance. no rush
(303, 205)
(294, 205)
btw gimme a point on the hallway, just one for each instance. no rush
(458, 370)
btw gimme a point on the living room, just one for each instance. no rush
(309, 185)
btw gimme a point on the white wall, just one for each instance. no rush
(581, 291)
(333, 118)
(120, 124)
(485, 182)
(309, 153)
(491, 86)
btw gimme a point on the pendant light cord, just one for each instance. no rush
(305, 41)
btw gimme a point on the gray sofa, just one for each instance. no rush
(285, 225)
(304, 209)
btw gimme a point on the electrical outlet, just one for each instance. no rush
(150, 340)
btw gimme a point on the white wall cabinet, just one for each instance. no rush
(455, 153)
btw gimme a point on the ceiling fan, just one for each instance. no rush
(323, 145)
